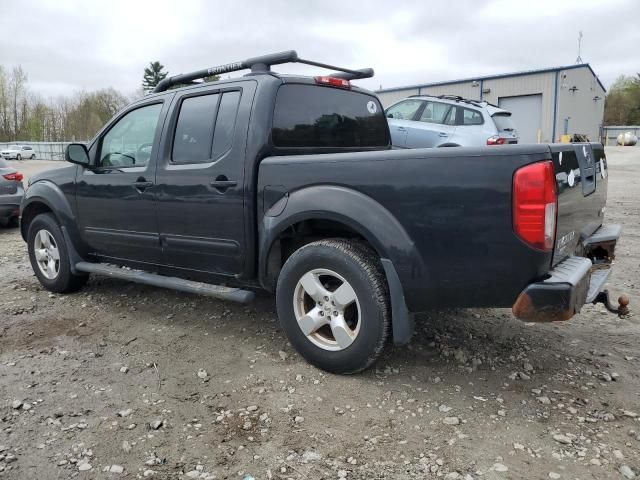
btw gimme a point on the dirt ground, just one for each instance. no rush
(127, 381)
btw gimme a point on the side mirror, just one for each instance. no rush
(77, 153)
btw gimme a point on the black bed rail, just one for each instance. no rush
(261, 64)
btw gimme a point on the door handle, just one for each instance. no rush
(402, 129)
(443, 134)
(221, 183)
(141, 184)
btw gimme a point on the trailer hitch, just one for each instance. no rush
(623, 303)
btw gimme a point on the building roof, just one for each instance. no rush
(493, 77)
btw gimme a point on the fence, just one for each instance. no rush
(42, 150)
(610, 133)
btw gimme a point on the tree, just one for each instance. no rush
(153, 74)
(212, 78)
(622, 105)
(17, 85)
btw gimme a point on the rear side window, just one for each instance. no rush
(310, 116)
(194, 131)
(205, 127)
(471, 117)
(503, 122)
(434, 112)
(225, 123)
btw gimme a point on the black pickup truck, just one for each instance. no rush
(289, 184)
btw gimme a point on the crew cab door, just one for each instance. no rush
(115, 196)
(200, 179)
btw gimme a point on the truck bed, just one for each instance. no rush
(453, 205)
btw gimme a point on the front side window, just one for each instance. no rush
(404, 110)
(129, 143)
(472, 117)
(434, 112)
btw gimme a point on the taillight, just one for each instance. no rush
(333, 82)
(13, 176)
(535, 204)
(495, 140)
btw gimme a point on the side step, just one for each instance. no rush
(223, 293)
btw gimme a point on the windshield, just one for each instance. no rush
(503, 122)
(310, 116)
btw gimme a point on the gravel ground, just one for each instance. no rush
(127, 381)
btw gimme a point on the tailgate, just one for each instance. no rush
(581, 178)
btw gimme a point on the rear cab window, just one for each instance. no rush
(318, 117)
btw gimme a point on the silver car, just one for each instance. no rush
(18, 152)
(447, 121)
(11, 193)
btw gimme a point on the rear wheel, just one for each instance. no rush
(18, 157)
(33, 157)
(49, 256)
(333, 305)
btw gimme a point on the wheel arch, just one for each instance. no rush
(46, 197)
(343, 212)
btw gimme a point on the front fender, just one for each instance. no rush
(357, 211)
(45, 192)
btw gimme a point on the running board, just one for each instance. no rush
(217, 291)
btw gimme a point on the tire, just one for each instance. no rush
(58, 278)
(18, 157)
(33, 157)
(347, 273)
(13, 222)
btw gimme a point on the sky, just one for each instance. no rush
(70, 45)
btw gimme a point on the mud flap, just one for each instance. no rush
(402, 321)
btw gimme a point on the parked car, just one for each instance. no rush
(18, 152)
(289, 184)
(423, 121)
(11, 194)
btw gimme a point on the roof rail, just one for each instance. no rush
(456, 98)
(260, 64)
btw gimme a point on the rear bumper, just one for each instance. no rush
(573, 283)
(8, 211)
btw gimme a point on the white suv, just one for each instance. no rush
(423, 121)
(18, 152)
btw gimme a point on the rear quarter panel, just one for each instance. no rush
(455, 206)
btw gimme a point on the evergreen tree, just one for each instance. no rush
(153, 74)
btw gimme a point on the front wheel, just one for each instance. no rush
(49, 256)
(333, 304)
(18, 157)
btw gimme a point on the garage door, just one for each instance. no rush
(526, 113)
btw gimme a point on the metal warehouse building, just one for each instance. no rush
(545, 103)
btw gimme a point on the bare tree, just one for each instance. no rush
(17, 85)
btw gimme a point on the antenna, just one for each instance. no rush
(579, 58)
